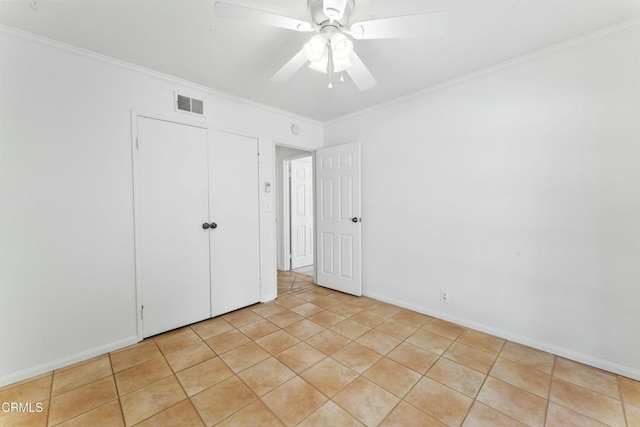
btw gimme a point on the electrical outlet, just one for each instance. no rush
(444, 296)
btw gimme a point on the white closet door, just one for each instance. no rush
(173, 199)
(235, 242)
(339, 247)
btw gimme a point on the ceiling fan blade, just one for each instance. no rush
(290, 68)
(257, 16)
(424, 25)
(360, 74)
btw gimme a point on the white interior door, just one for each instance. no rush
(173, 204)
(234, 208)
(338, 239)
(301, 217)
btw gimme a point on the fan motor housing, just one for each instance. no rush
(319, 18)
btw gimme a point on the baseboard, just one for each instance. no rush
(66, 361)
(267, 298)
(520, 339)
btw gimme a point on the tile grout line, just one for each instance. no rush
(174, 373)
(402, 399)
(586, 389)
(475, 398)
(421, 375)
(363, 308)
(553, 374)
(117, 390)
(440, 356)
(50, 397)
(155, 382)
(280, 385)
(180, 384)
(84, 385)
(622, 400)
(351, 341)
(327, 356)
(488, 374)
(236, 374)
(258, 398)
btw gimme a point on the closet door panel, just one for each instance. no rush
(172, 202)
(234, 208)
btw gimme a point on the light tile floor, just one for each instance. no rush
(316, 357)
(295, 279)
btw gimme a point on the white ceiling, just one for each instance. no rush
(184, 38)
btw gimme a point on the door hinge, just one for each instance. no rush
(137, 144)
(142, 312)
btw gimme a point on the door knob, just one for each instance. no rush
(205, 225)
(354, 219)
(213, 225)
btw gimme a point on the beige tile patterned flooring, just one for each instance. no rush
(295, 279)
(316, 357)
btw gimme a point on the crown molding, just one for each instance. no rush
(151, 73)
(491, 69)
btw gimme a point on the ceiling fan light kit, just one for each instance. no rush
(319, 48)
(341, 51)
(331, 50)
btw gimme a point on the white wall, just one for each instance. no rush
(67, 288)
(518, 192)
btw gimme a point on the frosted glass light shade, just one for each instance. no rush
(316, 48)
(341, 46)
(321, 64)
(341, 64)
(341, 51)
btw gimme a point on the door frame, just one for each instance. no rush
(286, 214)
(280, 192)
(203, 124)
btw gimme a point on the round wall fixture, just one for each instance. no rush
(295, 129)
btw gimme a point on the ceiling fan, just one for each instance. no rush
(331, 49)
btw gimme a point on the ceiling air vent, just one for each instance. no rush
(189, 105)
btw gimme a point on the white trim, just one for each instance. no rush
(66, 361)
(151, 73)
(136, 221)
(452, 82)
(520, 339)
(286, 213)
(506, 64)
(268, 298)
(280, 192)
(315, 217)
(195, 121)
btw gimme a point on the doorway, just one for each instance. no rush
(300, 212)
(295, 204)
